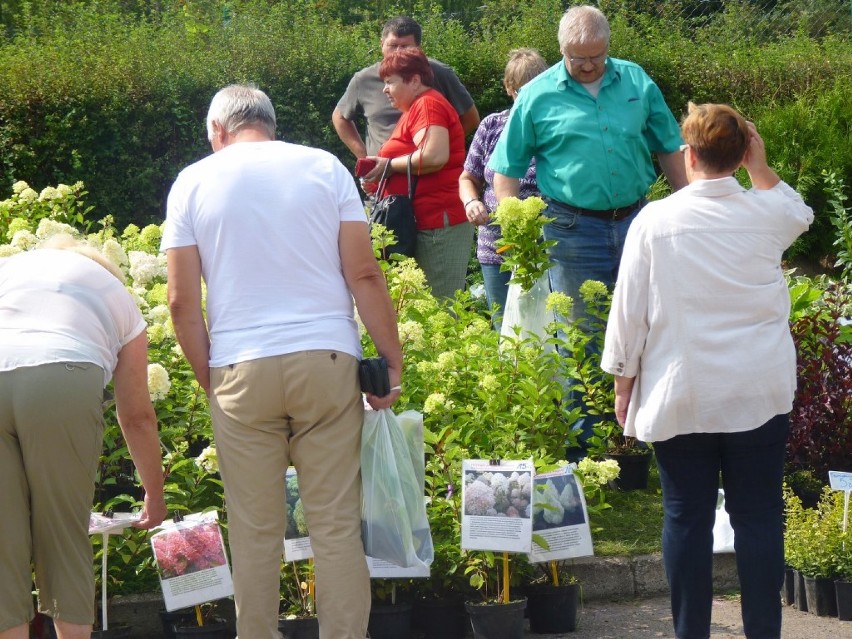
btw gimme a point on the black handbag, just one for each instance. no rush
(396, 213)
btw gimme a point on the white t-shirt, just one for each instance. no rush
(266, 217)
(59, 306)
(700, 310)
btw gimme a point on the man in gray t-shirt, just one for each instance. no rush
(364, 94)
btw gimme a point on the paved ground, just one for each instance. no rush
(651, 617)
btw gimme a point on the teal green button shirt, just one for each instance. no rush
(590, 153)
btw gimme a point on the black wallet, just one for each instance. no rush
(373, 375)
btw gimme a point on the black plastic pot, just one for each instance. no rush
(822, 600)
(212, 630)
(497, 620)
(800, 601)
(635, 468)
(299, 627)
(552, 609)
(390, 621)
(843, 594)
(441, 618)
(117, 632)
(184, 617)
(788, 590)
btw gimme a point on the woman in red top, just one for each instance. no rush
(430, 132)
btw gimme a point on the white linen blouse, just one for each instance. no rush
(700, 310)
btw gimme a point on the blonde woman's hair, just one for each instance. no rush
(717, 134)
(523, 65)
(64, 242)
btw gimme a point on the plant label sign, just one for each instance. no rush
(839, 480)
(191, 561)
(497, 508)
(560, 521)
(381, 569)
(297, 541)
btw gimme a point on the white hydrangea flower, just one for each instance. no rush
(208, 460)
(28, 195)
(489, 383)
(63, 190)
(7, 250)
(446, 361)
(411, 332)
(159, 314)
(47, 228)
(145, 268)
(158, 382)
(19, 187)
(114, 252)
(24, 240)
(48, 193)
(436, 402)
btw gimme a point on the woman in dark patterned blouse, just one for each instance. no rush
(476, 189)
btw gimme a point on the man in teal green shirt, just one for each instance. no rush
(592, 123)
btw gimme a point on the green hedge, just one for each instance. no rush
(118, 100)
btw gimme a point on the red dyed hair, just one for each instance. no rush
(406, 63)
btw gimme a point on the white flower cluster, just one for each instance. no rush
(145, 268)
(208, 460)
(24, 240)
(114, 252)
(552, 503)
(47, 228)
(158, 382)
(598, 472)
(436, 402)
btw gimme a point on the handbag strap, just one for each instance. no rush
(383, 180)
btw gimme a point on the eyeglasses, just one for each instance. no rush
(683, 148)
(593, 60)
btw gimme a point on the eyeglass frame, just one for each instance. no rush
(593, 60)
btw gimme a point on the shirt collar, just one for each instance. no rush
(564, 79)
(719, 187)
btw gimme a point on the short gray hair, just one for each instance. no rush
(239, 105)
(582, 24)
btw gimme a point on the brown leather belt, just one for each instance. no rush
(615, 215)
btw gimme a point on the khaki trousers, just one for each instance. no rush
(51, 436)
(306, 409)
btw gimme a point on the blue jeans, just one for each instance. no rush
(496, 288)
(752, 467)
(587, 248)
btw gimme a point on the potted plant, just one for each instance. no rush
(391, 609)
(552, 599)
(843, 582)
(524, 253)
(497, 615)
(439, 602)
(298, 619)
(813, 540)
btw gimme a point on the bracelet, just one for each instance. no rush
(393, 388)
(473, 199)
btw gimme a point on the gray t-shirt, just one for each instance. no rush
(364, 95)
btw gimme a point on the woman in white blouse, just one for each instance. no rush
(705, 366)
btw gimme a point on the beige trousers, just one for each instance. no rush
(306, 409)
(51, 436)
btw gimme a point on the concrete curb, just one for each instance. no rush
(602, 578)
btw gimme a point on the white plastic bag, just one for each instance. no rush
(723, 534)
(527, 310)
(394, 525)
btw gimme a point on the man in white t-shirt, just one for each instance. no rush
(278, 233)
